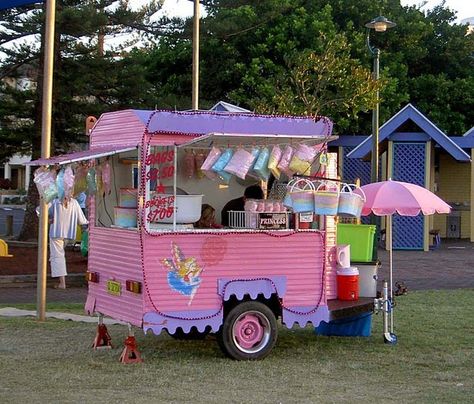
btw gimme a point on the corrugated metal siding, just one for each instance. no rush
(116, 254)
(299, 257)
(331, 238)
(117, 128)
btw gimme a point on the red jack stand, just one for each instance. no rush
(102, 338)
(130, 352)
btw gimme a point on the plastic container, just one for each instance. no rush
(348, 283)
(368, 279)
(361, 239)
(128, 198)
(125, 217)
(356, 326)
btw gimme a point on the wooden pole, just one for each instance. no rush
(45, 153)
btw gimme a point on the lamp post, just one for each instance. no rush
(380, 24)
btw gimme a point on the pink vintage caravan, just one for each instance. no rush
(162, 274)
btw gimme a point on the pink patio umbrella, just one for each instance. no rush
(388, 197)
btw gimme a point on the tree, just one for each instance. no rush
(88, 79)
(248, 50)
(327, 83)
(261, 55)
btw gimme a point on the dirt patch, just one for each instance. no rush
(25, 261)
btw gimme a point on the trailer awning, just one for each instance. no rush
(81, 155)
(230, 139)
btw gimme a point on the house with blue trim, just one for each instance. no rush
(413, 149)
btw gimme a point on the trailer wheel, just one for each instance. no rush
(249, 332)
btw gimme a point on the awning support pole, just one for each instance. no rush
(45, 153)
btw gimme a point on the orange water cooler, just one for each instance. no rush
(348, 283)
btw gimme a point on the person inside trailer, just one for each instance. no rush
(238, 204)
(208, 218)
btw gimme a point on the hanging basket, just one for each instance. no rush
(326, 198)
(301, 196)
(350, 203)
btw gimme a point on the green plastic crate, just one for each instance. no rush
(361, 239)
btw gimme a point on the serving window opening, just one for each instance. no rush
(180, 190)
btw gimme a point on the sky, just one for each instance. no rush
(184, 8)
(464, 8)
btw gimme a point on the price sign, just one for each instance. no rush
(161, 207)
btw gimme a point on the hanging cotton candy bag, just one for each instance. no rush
(80, 184)
(260, 167)
(240, 163)
(68, 182)
(273, 161)
(189, 164)
(91, 182)
(45, 181)
(255, 153)
(219, 165)
(106, 177)
(60, 184)
(284, 163)
(211, 158)
(302, 159)
(350, 203)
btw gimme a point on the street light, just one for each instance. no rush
(380, 24)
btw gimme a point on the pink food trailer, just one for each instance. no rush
(150, 267)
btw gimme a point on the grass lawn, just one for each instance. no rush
(433, 362)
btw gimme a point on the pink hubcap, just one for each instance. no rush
(248, 331)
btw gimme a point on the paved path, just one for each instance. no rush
(13, 312)
(449, 267)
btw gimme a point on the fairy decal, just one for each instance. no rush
(183, 273)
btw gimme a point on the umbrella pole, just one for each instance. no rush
(391, 272)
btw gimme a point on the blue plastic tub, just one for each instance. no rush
(357, 326)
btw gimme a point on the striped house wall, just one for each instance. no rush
(454, 188)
